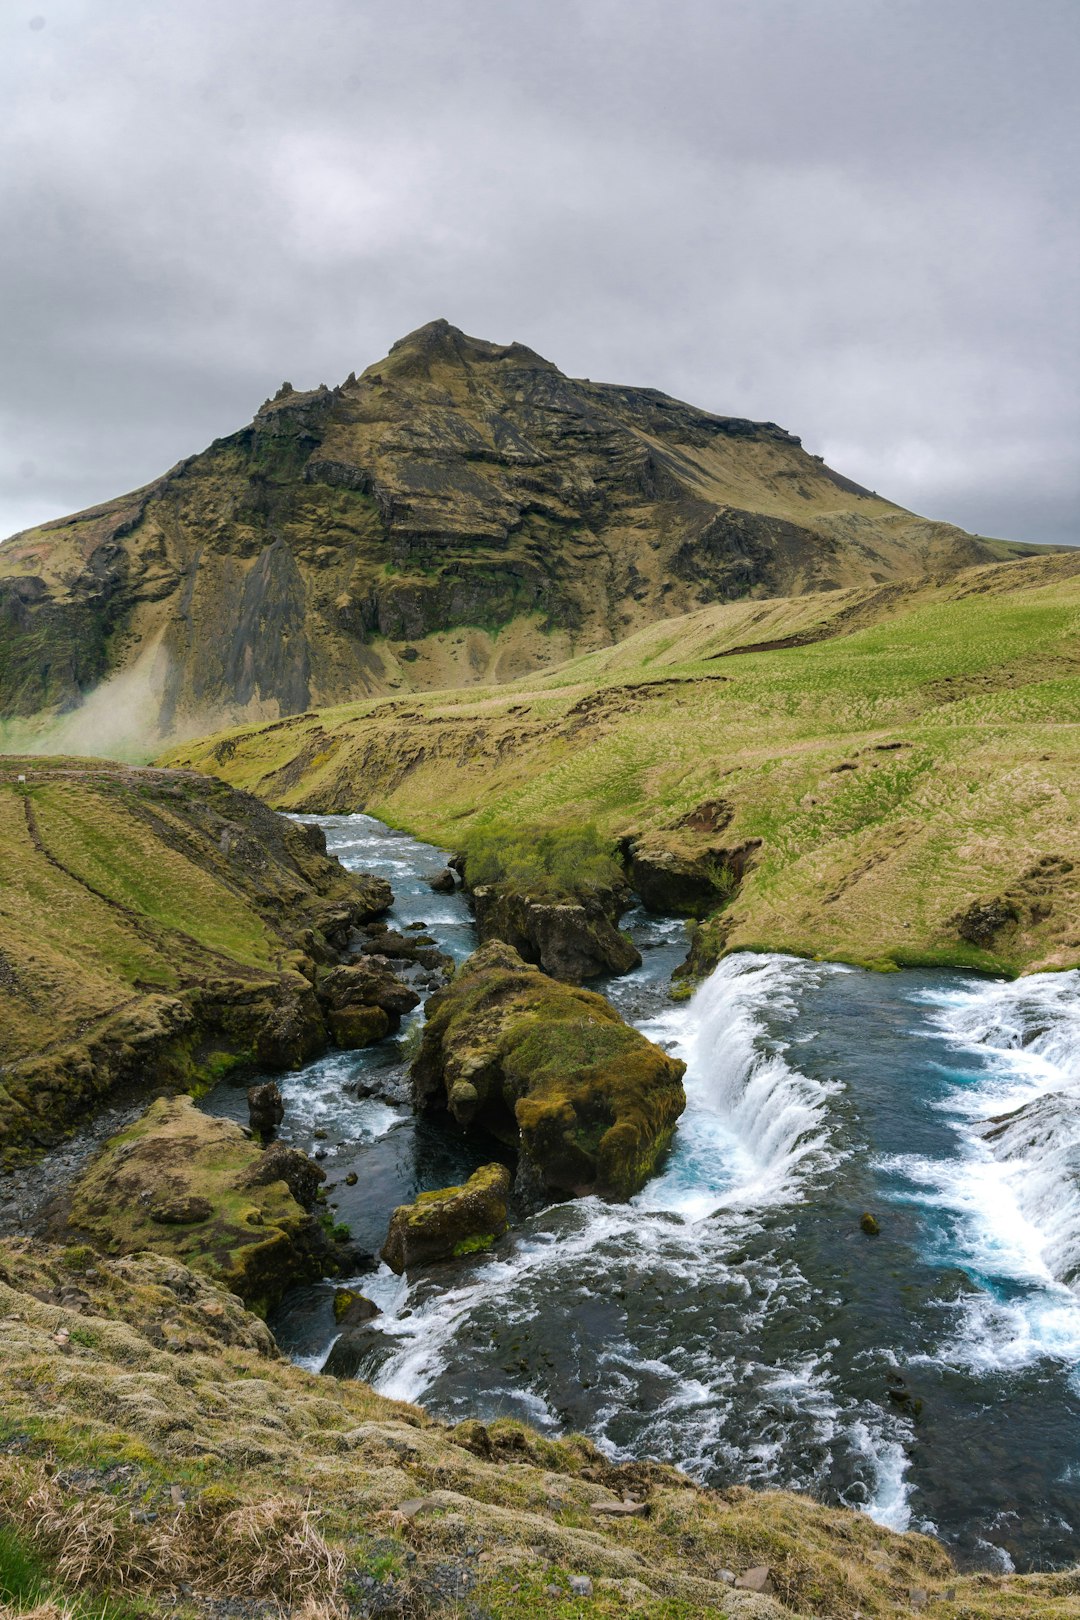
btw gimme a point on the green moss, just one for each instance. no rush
(251, 1237)
(552, 1068)
(475, 1244)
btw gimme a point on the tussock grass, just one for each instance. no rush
(129, 1472)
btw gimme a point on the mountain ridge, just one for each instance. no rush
(460, 512)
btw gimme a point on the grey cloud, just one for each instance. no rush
(857, 219)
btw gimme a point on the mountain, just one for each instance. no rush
(461, 512)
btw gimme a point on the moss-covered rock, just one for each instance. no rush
(573, 938)
(197, 1189)
(551, 1069)
(364, 1001)
(451, 1222)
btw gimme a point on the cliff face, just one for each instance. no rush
(461, 512)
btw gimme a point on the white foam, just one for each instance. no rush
(755, 1134)
(755, 1128)
(315, 1097)
(1013, 1189)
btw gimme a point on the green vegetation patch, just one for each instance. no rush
(541, 861)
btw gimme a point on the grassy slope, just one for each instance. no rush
(922, 756)
(73, 951)
(135, 908)
(150, 1440)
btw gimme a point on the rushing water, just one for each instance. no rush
(734, 1317)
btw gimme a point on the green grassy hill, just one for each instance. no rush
(904, 753)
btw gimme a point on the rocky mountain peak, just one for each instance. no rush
(460, 512)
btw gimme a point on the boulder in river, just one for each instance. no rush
(266, 1110)
(443, 882)
(451, 1222)
(552, 1070)
(364, 1001)
(573, 938)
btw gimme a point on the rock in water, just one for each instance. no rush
(364, 1001)
(451, 1222)
(552, 1070)
(443, 882)
(574, 939)
(266, 1110)
(351, 1308)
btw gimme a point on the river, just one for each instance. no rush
(734, 1318)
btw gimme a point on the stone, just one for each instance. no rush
(181, 1210)
(758, 1579)
(295, 1169)
(869, 1224)
(363, 982)
(351, 1308)
(357, 1027)
(266, 1109)
(626, 1509)
(449, 1223)
(553, 1071)
(443, 882)
(293, 1031)
(194, 1188)
(684, 882)
(572, 939)
(984, 920)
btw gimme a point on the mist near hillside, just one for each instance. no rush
(117, 719)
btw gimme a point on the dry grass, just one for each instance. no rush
(133, 1472)
(270, 1547)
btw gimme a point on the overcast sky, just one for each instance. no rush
(858, 219)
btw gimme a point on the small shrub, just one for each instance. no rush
(541, 860)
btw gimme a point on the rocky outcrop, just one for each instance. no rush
(552, 1070)
(266, 1108)
(680, 880)
(381, 534)
(449, 1223)
(573, 938)
(364, 1001)
(196, 1189)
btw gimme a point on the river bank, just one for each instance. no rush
(734, 1316)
